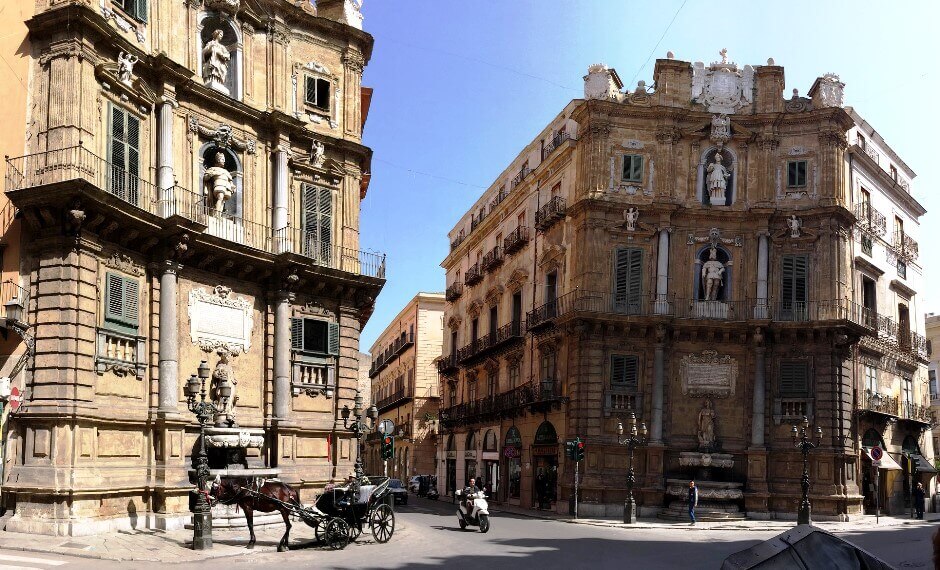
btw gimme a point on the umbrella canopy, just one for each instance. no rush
(804, 548)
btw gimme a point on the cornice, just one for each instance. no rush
(888, 185)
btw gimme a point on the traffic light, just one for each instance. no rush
(388, 447)
(569, 448)
(578, 450)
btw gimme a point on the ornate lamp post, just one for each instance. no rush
(204, 411)
(801, 441)
(631, 441)
(359, 427)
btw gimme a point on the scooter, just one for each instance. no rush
(432, 493)
(479, 514)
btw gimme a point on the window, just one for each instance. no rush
(632, 168)
(907, 391)
(869, 299)
(796, 173)
(453, 343)
(628, 279)
(861, 141)
(124, 155)
(520, 220)
(317, 93)
(121, 303)
(136, 9)
(794, 288)
(514, 376)
(491, 384)
(871, 379)
(494, 323)
(314, 335)
(474, 330)
(548, 365)
(894, 172)
(473, 391)
(932, 378)
(556, 190)
(794, 378)
(317, 222)
(517, 312)
(624, 371)
(866, 245)
(453, 395)
(902, 269)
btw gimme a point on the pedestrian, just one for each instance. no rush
(693, 501)
(919, 500)
(540, 489)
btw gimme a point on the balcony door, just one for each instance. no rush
(516, 313)
(794, 290)
(317, 223)
(628, 280)
(551, 295)
(124, 155)
(869, 301)
(494, 322)
(904, 326)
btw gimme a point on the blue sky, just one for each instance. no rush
(461, 87)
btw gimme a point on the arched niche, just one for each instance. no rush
(702, 257)
(729, 160)
(451, 444)
(234, 205)
(872, 438)
(489, 441)
(546, 434)
(209, 22)
(471, 443)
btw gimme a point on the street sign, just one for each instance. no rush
(15, 399)
(877, 453)
(386, 427)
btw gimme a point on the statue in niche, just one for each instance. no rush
(706, 427)
(224, 375)
(220, 186)
(215, 59)
(630, 217)
(713, 275)
(318, 154)
(718, 181)
(794, 224)
(126, 63)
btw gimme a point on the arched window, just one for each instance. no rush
(546, 434)
(489, 441)
(220, 54)
(872, 438)
(717, 177)
(451, 444)
(471, 441)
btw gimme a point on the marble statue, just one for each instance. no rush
(126, 63)
(222, 375)
(318, 154)
(220, 186)
(713, 275)
(215, 60)
(630, 217)
(718, 181)
(794, 224)
(706, 426)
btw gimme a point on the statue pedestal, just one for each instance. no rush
(217, 85)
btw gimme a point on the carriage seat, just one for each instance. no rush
(365, 492)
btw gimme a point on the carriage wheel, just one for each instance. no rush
(382, 522)
(354, 532)
(336, 534)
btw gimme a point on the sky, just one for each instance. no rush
(462, 86)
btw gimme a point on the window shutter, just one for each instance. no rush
(325, 212)
(310, 90)
(133, 159)
(636, 173)
(628, 272)
(139, 9)
(114, 297)
(296, 333)
(333, 341)
(794, 379)
(118, 151)
(624, 371)
(794, 289)
(131, 303)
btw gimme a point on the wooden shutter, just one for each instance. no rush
(794, 286)
(628, 280)
(325, 214)
(296, 333)
(122, 301)
(624, 371)
(124, 155)
(333, 340)
(114, 297)
(794, 378)
(131, 303)
(139, 9)
(310, 90)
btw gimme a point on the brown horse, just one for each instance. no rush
(239, 491)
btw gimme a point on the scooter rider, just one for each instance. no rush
(471, 489)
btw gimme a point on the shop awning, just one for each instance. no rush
(923, 465)
(887, 462)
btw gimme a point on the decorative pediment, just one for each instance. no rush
(714, 237)
(491, 365)
(454, 322)
(516, 279)
(475, 308)
(222, 135)
(552, 255)
(124, 263)
(129, 89)
(493, 295)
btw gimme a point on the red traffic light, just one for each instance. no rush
(580, 445)
(388, 440)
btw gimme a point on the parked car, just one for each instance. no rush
(414, 483)
(398, 490)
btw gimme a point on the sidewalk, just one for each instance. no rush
(865, 522)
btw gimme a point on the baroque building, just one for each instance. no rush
(189, 192)
(405, 387)
(698, 253)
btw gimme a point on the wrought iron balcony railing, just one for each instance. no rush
(870, 220)
(391, 352)
(534, 396)
(518, 178)
(473, 276)
(500, 196)
(550, 213)
(492, 259)
(448, 364)
(556, 142)
(905, 246)
(916, 412)
(454, 291)
(457, 241)
(879, 403)
(476, 220)
(400, 396)
(516, 240)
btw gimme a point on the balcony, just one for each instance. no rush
(519, 177)
(391, 352)
(312, 379)
(553, 144)
(453, 292)
(448, 364)
(500, 196)
(715, 310)
(492, 259)
(879, 404)
(915, 412)
(476, 348)
(905, 247)
(476, 220)
(870, 220)
(11, 291)
(77, 164)
(510, 334)
(516, 240)
(401, 396)
(619, 401)
(550, 213)
(872, 153)
(535, 397)
(473, 276)
(457, 241)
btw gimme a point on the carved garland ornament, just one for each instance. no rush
(124, 263)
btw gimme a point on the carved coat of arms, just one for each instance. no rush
(722, 87)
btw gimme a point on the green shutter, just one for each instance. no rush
(297, 333)
(133, 159)
(131, 304)
(113, 297)
(628, 280)
(794, 378)
(124, 155)
(122, 302)
(333, 341)
(794, 288)
(325, 212)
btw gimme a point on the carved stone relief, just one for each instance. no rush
(219, 320)
(708, 375)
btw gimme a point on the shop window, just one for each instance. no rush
(314, 336)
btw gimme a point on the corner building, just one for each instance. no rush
(690, 252)
(189, 191)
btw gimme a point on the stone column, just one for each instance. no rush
(281, 198)
(656, 419)
(760, 395)
(282, 355)
(761, 310)
(169, 338)
(165, 179)
(661, 306)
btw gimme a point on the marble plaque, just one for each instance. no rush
(708, 375)
(219, 320)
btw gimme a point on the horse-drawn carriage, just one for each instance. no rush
(338, 516)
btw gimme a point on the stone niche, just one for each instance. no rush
(708, 375)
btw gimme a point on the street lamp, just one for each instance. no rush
(204, 411)
(802, 442)
(631, 441)
(359, 427)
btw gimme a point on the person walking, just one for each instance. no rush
(693, 501)
(919, 497)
